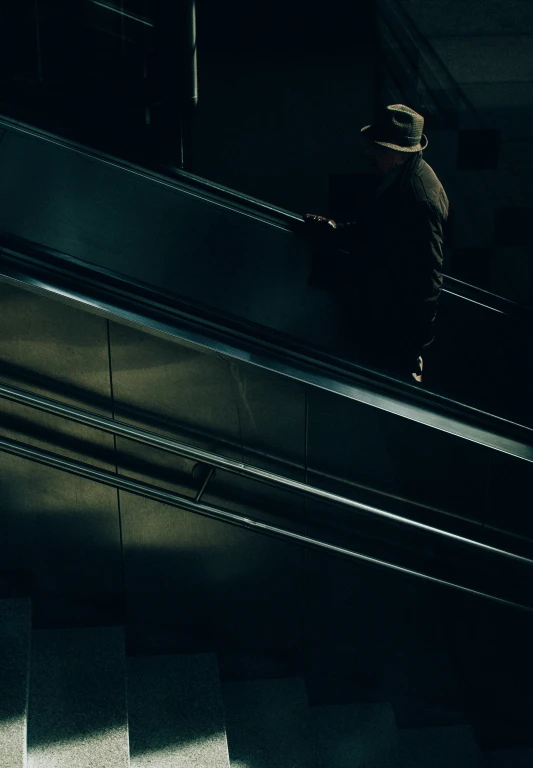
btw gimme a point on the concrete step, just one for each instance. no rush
(448, 747)
(268, 724)
(15, 622)
(176, 717)
(77, 711)
(356, 735)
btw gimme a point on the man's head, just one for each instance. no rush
(395, 135)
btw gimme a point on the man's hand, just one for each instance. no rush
(418, 375)
(321, 223)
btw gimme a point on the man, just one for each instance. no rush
(397, 246)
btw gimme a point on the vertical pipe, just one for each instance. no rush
(175, 78)
(190, 79)
(38, 40)
(189, 95)
(122, 28)
(146, 88)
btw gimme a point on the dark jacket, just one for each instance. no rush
(396, 259)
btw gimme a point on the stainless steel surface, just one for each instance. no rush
(242, 469)
(154, 231)
(379, 449)
(56, 346)
(510, 497)
(53, 528)
(237, 198)
(62, 532)
(198, 584)
(189, 578)
(272, 412)
(119, 428)
(52, 348)
(142, 489)
(181, 389)
(307, 372)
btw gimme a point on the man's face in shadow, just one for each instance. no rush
(382, 159)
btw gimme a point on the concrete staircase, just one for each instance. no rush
(70, 697)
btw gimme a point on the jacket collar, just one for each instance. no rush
(411, 167)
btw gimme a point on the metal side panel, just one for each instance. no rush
(374, 448)
(152, 230)
(185, 573)
(63, 531)
(195, 584)
(380, 638)
(180, 391)
(510, 496)
(15, 628)
(50, 348)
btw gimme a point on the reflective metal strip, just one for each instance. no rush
(114, 9)
(175, 500)
(473, 301)
(230, 465)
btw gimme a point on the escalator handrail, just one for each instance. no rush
(169, 498)
(146, 437)
(268, 351)
(242, 203)
(210, 190)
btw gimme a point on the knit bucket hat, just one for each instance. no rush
(398, 127)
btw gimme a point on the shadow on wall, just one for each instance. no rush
(191, 583)
(87, 399)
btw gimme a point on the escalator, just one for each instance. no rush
(192, 447)
(123, 320)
